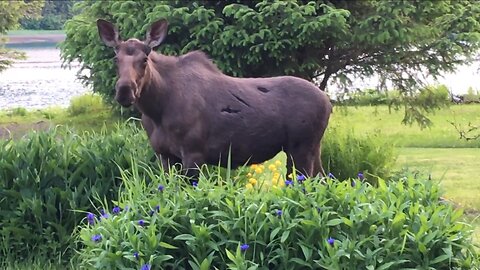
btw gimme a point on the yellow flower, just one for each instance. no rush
(249, 186)
(249, 174)
(252, 181)
(253, 166)
(278, 162)
(272, 167)
(274, 181)
(259, 170)
(290, 176)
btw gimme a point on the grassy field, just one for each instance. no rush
(441, 134)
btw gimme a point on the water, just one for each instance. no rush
(39, 81)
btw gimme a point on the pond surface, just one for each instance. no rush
(39, 81)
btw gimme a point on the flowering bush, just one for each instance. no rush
(236, 223)
(49, 178)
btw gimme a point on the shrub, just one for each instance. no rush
(219, 224)
(18, 112)
(85, 104)
(48, 177)
(345, 155)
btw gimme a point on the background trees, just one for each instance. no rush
(53, 16)
(10, 13)
(400, 41)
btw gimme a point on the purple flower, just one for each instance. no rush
(330, 175)
(161, 188)
(103, 214)
(244, 247)
(141, 222)
(146, 267)
(301, 178)
(353, 183)
(116, 210)
(151, 213)
(96, 238)
(157, 208)
(288, 183)
(195, 184)
(135, 255)
(279, 212)
(330, 241)
(360, 176)
(91, 218)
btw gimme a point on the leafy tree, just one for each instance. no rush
(10, 13)
(318, 40)
(54, 15)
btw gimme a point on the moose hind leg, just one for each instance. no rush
(302, 159)
(317, 162)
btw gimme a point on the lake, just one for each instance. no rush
(39, 81)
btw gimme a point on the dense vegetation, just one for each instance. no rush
(53, 16)
(219, 224)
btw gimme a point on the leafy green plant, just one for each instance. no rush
(162, 223)
(85, 103)
(48, 177)
(345, 154)
(18, 112)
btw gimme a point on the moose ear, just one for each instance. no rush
(156, 33)
(108, 33)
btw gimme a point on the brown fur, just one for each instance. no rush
(194, 114)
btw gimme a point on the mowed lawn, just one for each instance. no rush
(441, 134)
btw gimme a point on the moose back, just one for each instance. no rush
(194, 114)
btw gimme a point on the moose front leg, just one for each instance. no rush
(169, 161)
(192, 163)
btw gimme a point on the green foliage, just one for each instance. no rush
(88, 103)
(10, 13)
(50, 178)
(345, 154)
(54, 14)
(18, 112)
(397, 225)
(472, 96)
(397, 40)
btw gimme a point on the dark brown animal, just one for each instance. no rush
(194, 114)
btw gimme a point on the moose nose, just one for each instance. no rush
(124, 94)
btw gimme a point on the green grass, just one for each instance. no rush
(442, 134)
(33, 32)
(456, 169)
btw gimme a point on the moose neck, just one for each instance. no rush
(155, 90)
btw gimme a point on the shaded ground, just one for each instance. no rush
(15, 130)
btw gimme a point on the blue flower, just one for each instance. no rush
(330, 175)
(91, 218)
(288, 183)
(135, 255)
(353, 183)
(96, 238)
(103, 214)
(151, 213)
(195, 184)
(330, 241)
(301, 178)
(161, 188)
(146, 267)
(157, 208)
(360, 176)
(141, 222)
(279, 212)
(116, 210)
(244, 247)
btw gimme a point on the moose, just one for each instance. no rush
(194, 114)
